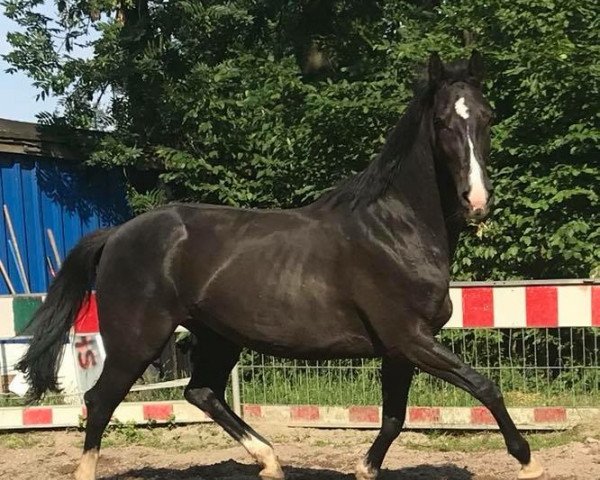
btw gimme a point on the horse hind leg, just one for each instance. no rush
(101, 400)
(214, 357)
(127, 357)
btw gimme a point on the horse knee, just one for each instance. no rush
(489, 393)
(391, 426)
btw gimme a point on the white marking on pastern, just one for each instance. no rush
(364, 471)
(87, 466)
(264, 455)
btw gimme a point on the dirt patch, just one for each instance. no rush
(205, 453)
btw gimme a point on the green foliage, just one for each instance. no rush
(125, 432)
(545, 85)
(143, 201)
(268, 104)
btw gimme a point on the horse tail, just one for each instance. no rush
(55, 317)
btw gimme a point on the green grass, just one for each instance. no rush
(361, 386)
(20, 440)
(123, 434)
(449, 441)
(14, 401)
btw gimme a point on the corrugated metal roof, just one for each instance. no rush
(43, 140)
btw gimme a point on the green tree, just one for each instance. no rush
(268, 103)
(544, 81)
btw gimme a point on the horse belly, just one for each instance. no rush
(290, 332)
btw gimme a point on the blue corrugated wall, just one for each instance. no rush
(46, 193)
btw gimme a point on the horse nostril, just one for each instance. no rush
(465, 197)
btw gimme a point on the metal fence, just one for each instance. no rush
(533, 367)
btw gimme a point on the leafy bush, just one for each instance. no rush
(267, 104)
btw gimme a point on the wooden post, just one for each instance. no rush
(236, 393)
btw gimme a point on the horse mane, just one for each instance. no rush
(365, 187)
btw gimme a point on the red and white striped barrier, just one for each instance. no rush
(60, 416)
(419, 417)
(181, 412)
(531, 304)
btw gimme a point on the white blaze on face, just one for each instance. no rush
(477, 194)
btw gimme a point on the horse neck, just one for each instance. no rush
(451, 209)
(402, 185)
(414, 196)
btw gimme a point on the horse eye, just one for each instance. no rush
(438, 122)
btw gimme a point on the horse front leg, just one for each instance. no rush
(396, 377)
(426, 353)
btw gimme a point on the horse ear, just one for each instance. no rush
(476, 69)
(435, 69)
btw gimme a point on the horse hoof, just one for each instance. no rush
(272, 474)
(364, 476)
(532, 471)
(540, 476)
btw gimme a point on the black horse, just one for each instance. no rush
(362, 272)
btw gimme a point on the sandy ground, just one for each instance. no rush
(204, 453)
